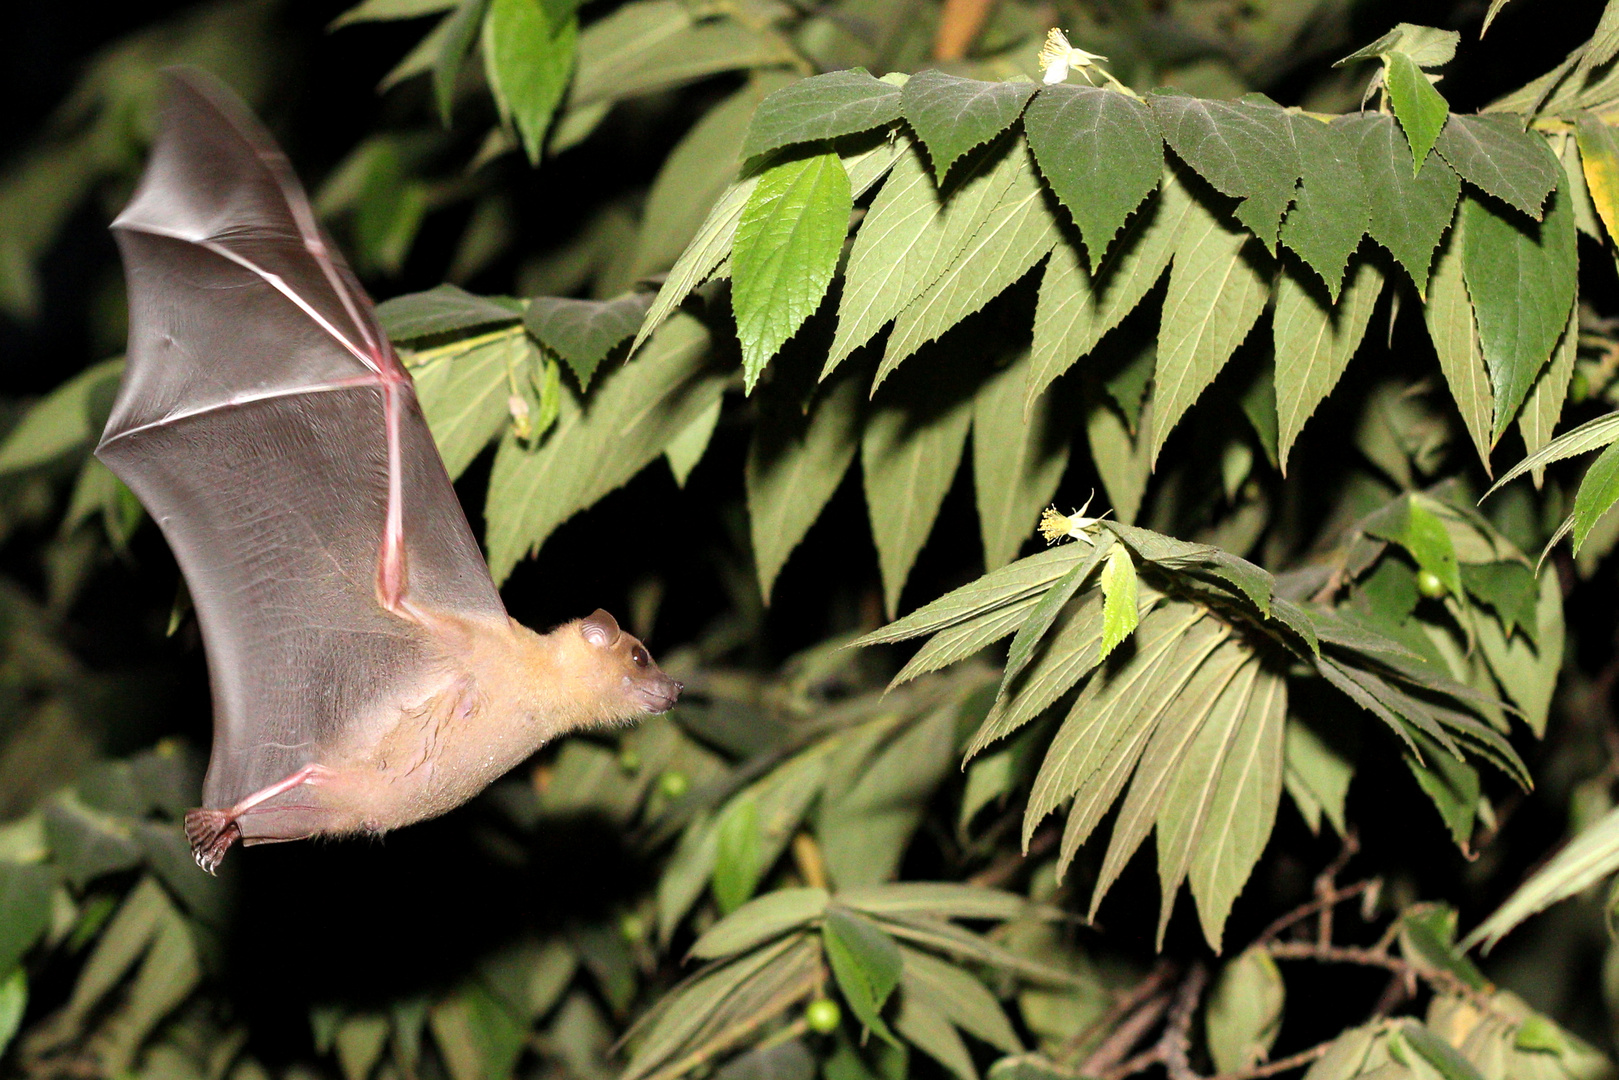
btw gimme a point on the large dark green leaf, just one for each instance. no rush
(951, 115)
(1408, 214)
(1245, 149)
(1496, 155)
(583, 332)
(824, 107)
(1332, 211)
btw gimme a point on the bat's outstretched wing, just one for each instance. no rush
(266, 423)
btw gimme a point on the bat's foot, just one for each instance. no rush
(211, 832)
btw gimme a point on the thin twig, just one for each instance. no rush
(1007, 865)
(1304, 911)
(1124, 1006)
(1280, 1065)
(1176, 1040)
(1126, 1035)
(1326, 885)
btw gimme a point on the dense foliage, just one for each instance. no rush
(1266, 315)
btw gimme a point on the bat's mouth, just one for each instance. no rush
(660, 696)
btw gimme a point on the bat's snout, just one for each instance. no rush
(658, 695)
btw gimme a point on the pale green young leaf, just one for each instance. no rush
(1122, 460)
(794, 466)
(1599, 164)
(1591, 435)
(1317, 776)
(1216, 294)
(1427, 46)
(13, 1004)
(1015, 234)
(1421, 109)
(1408, 214)
(701, 258)
(908, 464)
(460, 30)
(1245, 1011)
(1451, 326)
(620, 42)
(1245, 149)
(785, 251)
(1100, 151)
(865, 961)
(1075, 309)
(65, 419)
(1599, 490)
(1314, 342)
(951, 115)
(1544, 406)
(1496, 155)
(931, 1032)
(527, 60)
(738, 862)
(384, 10)
(1243, 807)
(823, 107)
(583, 332)
(960, 997)
(1332, 208)
(1582, 862)
(1119, 616)
(464, 394)
(1045, 613)
(1017, 464)
(1522, 279)
(1069, 654)
(443, 309)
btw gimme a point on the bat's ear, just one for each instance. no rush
(599, 628)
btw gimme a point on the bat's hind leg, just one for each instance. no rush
(212, 832)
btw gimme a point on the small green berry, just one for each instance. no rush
(1429, 585)
(632, 927)
(629, 759)
(823, 1016)
(673, 784)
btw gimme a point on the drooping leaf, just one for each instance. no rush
(1522, 278)
(1123, 460)
(1119, 616)
(464, 395)
(1314, 343)
(1420, 108)
(583, 332)
(1408, 214)
(700, 259)
(822, 107)
(1581, 863)
(1216, 293)
(1495, 154)
(738, 862)
(527, 59)
(1332, 210)
(1245, 149)
(786, 248)
(1245, 1011)
(65, 419)
(1525, 665)
(951, 115)
(1544, 406)
(1017, 463)
(1599, 490)
(1454, 332)
(960, 997)
(931, 1031)
(460, 31)
(1102, 154)
(866, 963)
(1599, 161)
(1317, 776)
(443, 309)
(1450, 784)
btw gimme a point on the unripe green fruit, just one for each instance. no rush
(823, 1016)
(673, 784)
(1429, 585)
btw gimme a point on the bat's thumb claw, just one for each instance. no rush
(211, 833)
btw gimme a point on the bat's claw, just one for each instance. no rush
(211, 833)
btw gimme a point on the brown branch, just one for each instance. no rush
(1126, 1035)
(1176, 1040)
(1409, 972)
(1124, 1006)
(1280, 1065)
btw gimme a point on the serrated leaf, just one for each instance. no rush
(583, 332)
(785, 251)
(1314, 342)
(702, 257)
(911, 236)
(1332, 208)
(1075, 309)
(464, 395)
(1100, 151)
(1587, 437)
(1522, 279)
(1016, 234)
(442, 309)
(866, 962)
(1317, 775)
(1544, 406)
(1045, 613)
(1245, 149)
(528, 59)
(909, 463)
(1599, 161)
(794, 466)
(1451, 326)
(1421, 109)
(633, 415)
(1215, 296)
(1526, 665)
(1245, 1011)
(951, 115)
(822, 107)
(1582, 862)
(1599, 490)
(1408, 214)
(1017, 464)
(1509, 588)
(1119, 617)
(1495, 154)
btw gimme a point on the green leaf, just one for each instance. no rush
(1245, 1011)
(786, 248)
(1599, 162)
(583, 332)
(1013, 235)
(1045, 613)
(1017, 464)
(958, 996)
(1507, 587)
(1420, 108)
(701, 258)
(944, 899)
(1413, 525)
(866, 963)
(477, 1036)
(1075, 309)
(1425, 45)
(460, 31)
(1317, 776)
(1496, 155)
(656, 45)
(759, 920)
(909, 461)
(360, 1042)
(1450, 784)
(1544, 406)
(1100, 151)
(464, 395)
(66, 419)
(1332, 209)
(528, 58)
(25, 909)
(737, 860)
(636, 412)
(1119, 616)
(931, 1031)
(1445, 1058)
(1599, 490)
(1408, 214)
(794, 465)
(1215, 296)
(1454, 332)
(1589, 436)
(1245, 149)
(1427, 938)
(823, 107)
(951, 115)
(372, 10)
(1522, 279)
(13, 1004)
(1314, 342)
(443, 309)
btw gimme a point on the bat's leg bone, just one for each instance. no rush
(212, 832)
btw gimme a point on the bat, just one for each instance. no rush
(364, 672)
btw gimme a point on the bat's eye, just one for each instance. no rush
(640, 656)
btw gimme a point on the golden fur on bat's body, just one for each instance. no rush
(497, 694)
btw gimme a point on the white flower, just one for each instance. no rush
(1054, 525)
(1057, 57)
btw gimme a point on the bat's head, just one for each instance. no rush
(630, 668)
